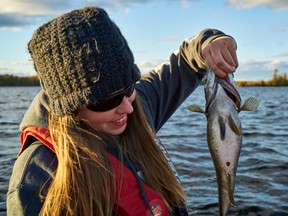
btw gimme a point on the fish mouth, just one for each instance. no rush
(230, 90)
(227, 86)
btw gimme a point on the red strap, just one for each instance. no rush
(129, 200)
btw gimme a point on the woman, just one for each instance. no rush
(89, 144)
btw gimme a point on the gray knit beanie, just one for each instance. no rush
(80, 58)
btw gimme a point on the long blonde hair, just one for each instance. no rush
(84, 181)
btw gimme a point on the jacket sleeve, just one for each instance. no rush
(164, 89)
(31, 176)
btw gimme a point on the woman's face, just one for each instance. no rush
(113, 121)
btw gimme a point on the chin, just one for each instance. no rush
(118, 132)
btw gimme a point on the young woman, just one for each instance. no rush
(89, 144)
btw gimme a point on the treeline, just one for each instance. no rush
(10, 80)
(276, 80)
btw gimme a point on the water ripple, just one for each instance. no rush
(262, 177)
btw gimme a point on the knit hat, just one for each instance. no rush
(80, 58)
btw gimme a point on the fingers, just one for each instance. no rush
(218, 63)
(220, 55)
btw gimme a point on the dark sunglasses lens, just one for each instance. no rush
(112, 102)
(129, 90)
(107, 104)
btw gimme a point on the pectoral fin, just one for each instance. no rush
(222, 129)
(234, 127)
(250, 104)
(196, 108)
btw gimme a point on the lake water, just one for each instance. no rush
(262, 177)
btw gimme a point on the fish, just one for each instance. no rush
(224, 132)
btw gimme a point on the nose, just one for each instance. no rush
(125, 106)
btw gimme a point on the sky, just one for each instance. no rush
(156, 28)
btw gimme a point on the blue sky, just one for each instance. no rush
(154, 29)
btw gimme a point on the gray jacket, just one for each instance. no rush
(161, 91)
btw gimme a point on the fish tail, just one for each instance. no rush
(231, 191)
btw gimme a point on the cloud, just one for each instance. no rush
(246, 4)
(146, 66)
(17, 21)
(20, 13)
(35, 7)
(266, 65)
(25, 67)
(17, 68)
(113, 4)
(260, 70)
(282, 55)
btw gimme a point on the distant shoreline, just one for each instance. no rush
(11, 80)
(276, 80)
(260, 83)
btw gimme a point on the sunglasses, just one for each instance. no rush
(112, 101)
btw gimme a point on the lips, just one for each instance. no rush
(120, 121)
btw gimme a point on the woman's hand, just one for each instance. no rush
(220, 56)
